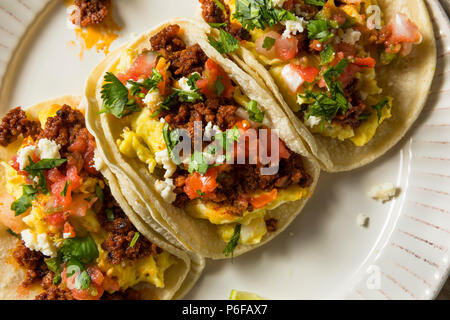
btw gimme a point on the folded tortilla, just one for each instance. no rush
(407, 81)
(178, 279)
(197, 235)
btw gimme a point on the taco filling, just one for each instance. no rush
(176, 88)
(73, 236)
(323, 55)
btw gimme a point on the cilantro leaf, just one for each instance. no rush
(226, 42)
(110, 215)
(198, 163)
(217, 25)
(327, 55)
(171, 138)
(379, 107)
(83, 249)
(115, 98)
(318, 30)
(268, 43)
(318, 3)
(44, 164)
(148, 84)
(99, 193)
(254, 113)
(11, 232)
(219, 5)
(260, 14)
(187, 96)
(232, 244)
(135, 239)
(83, 281)
(192, 81)
(66, 187)
(22, 204)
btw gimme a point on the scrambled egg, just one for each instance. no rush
(149, 269)
(46, 113)
(253, 225)
(143, 139)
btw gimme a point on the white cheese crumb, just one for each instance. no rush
(214, 159)
(351, 36)
(183, 83)
(128, 85)
(153, 99)
(165, 189)
(383, 192)
(24, 154)
(362, 220)
(39, 242)
(67, 235)
(49, 149)
(163, 158)
(293, 27)
(313, 121)
(211, 131)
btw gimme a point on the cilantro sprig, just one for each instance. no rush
(232, 244)
(255, 114)
(380, 106)
(115, 97)
(226, 43)
(148, 84)
(327, 105)
(259, 14)
(22, 204)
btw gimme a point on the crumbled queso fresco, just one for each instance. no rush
(383, 192)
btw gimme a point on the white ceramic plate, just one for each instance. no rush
(324, 254)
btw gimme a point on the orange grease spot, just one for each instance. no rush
(100, 36)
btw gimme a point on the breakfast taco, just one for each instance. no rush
(219, 193)
(354, 73)
(66, 231)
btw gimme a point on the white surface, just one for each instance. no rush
(323, 254)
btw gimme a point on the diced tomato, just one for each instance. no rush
(69, 231)
(284, 152)
(95, 290)
(243, 124)
(212, 73)
(141, 67)
(366, 63)
(402, 29)
(198, 185)
(56, 219)
(287, 48)
(349, 73)
(268, 53)
(85, 145)
(307, 73)
(316, 45)
(264, 199)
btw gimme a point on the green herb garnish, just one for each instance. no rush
(115, 98)
(220, 87)
(22, 204)
(268, 43)
(319, 30)
(226, 42)
(11, 232)
(135, 239)
(148, 84)
(379, 107)
(232, 244)
(260, 14)
(254, 113)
